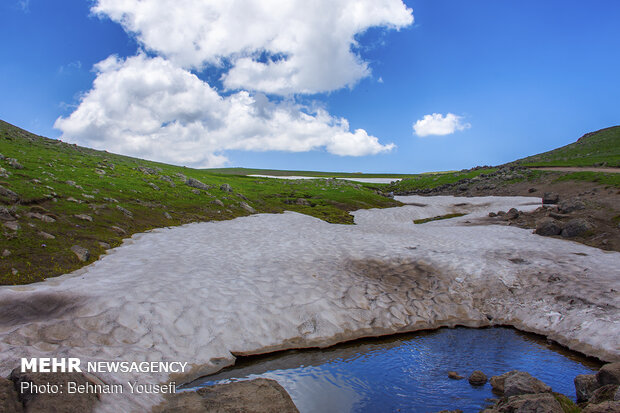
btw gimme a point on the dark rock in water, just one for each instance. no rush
(255, 396)
(576, 227)
(477, 378)
(226, 188)
(515, 383)
(604, 394)
(570, 205)
(527, 403)
(454, 375)
(609, 374)
(82, 253)
(62, 401)
(195, 183)
(550, 198)
(548, 226)
(585, 385)
(605, 407)
(9, 401)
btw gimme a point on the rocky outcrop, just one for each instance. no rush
(195, 183)
(253, 396)
(477, 378)
(527, 403)
(609, 374)
(515, 383)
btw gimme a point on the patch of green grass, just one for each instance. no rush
(63, 180)
(567, 404)
(593, 149)
(429, 181)
(610, 179)
(437, 218)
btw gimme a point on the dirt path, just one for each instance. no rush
(575, 169)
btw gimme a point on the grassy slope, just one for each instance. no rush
(42, 186)
(278, 172)
(600, 148)
(428, 181)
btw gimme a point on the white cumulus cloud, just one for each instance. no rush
(438, 124)
(149, 107)
(273, 46)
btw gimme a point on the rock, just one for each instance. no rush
(585, 384)
(9, 401)
(605, 407)
(84, 217)
(195, 183)
(99, 171)
(252, 396)
(604, 394)
(302, 201)
(6, 253)
(63, 401)
(14, 271)
(617, 395)
(609, 374)
(247, 207)
(548, 226)
(87, 196)
(196, 191)
(125, 211)
(527, 403)
(45, 235)
(6, 215)
(226, 188)
(550, 198)
(477, 378)
(218, 202)
(512, 214)
(570, 205)
(72, 199)
(118, 230)
(576, 227)
(104, 245)
(167, 215)
(14, 164)
(82, 253)
(8, 193)
(454, 375)
(70, 183)
(12, 225)
(149, 171)
(492, 214)
(515, 383)
(532, 190)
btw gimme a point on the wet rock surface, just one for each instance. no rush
(515, 383)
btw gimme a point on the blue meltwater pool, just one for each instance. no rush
(409, 372)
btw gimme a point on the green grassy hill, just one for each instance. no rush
(600, 148)
(280, 172)
(55, 195)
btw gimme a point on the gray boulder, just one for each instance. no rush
(9, 194)
(226, 188)
(585, 385)
(125, 211)
(247, 207)
(550, 198)
(576, 227)
(14, 163)
(548, 226)
(609, 374)
(571, 205)
(302, 201)
(512, 213)
(527, 403)
(82, 253)
(515, 383)
(195, 183)
(604, 394)
(6, 215)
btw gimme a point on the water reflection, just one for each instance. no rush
(408, 372)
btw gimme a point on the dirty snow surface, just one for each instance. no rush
(203, 292)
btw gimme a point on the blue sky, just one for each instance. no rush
(518, 77)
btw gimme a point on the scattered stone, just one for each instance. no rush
(218, 202)
(477, 378)
(515, 383)
(152, 185)
(226, 188)
(167, 215)
(180, 176)
(6, 253)
(118, 230)
(501, 213)
(6, 215)
(45, 235)
(570, 205)
(196, 191)
(8, 193)
(454, 375)
(70, 183)
(12, 225)
(548, 226)
(195, 183)
(604, 394)
(302, 201)
(104, 245)
(256, 396)
(532, 190)
(72, 199)
(605, 407)
(55, 402)
(247, 207)
(550, 198)
(609, 374)
(492, 214)
(82, 253)
(4, 173)
(99, 171)
(576, 227)
(125, 211)
(512, 213)
(14, 164)
(585, 385)
(527, 403)
(87, 196)
(14, 271)
(110, 200)
(84, 217)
